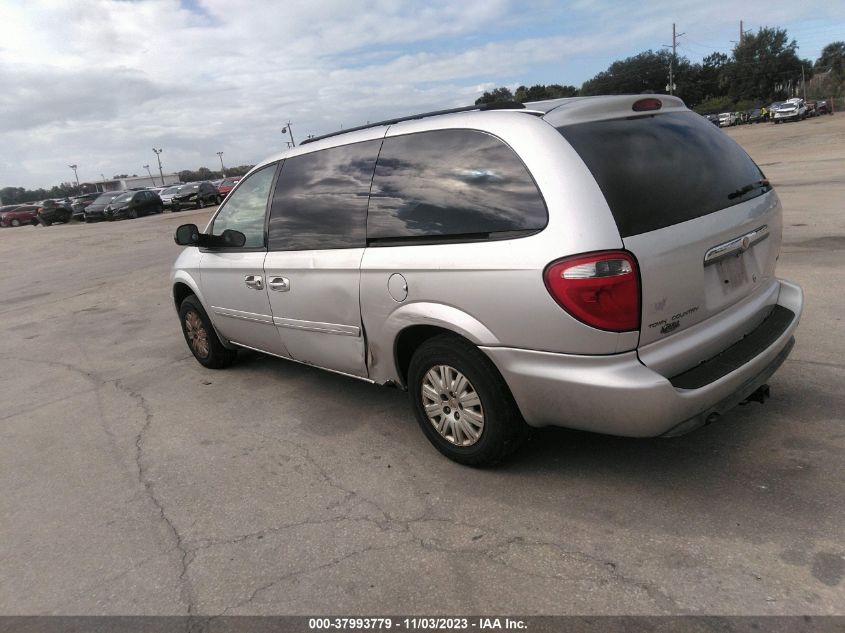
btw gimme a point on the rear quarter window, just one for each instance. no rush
(660, 170)
(451, 184)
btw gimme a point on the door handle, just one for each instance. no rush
(279, 284)
(254, 281)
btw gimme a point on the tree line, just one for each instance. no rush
(20, 195)
(762, 68)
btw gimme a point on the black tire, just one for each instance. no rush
(15, 222)
(44, 222)
(175, 208)
(160, 209)
(132, 214)
(199, 203)
(503, 430)
(218, 200)
(214, 355)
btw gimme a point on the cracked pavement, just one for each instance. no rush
(133, 481)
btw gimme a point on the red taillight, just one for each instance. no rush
(601, 289)
(645, 105)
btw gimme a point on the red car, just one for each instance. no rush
(227, 185)
(18, 215)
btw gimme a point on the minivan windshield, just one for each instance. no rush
(660, 170)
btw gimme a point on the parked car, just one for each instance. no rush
(727, 119)
(754, 116)
(52, 211)
(133, 204)
(824, 108)
(790, 110)
(650, 287)
(227, 185)
(95, 210)
(18, 215)
(79, 203)
(167, 195)
(196, 195)
(713, 118)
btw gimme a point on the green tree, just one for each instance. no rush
(494, 96)
(832, 58)
(540, 92)
(764, 67)
(646, 72)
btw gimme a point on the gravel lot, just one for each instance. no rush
(133, 481)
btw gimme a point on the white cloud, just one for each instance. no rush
(100, 82)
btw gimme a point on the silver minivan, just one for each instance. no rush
(598, 263)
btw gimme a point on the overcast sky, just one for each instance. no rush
(100, 83)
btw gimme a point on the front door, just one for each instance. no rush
(233, 281)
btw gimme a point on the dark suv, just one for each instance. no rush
(95, 210)
(196, 195)
(133, 204)
(54, 211)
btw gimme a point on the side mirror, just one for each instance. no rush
(187, 235)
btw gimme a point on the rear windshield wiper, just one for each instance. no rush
(760, 184)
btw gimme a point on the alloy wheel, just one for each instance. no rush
(452, 405)
(196, 334)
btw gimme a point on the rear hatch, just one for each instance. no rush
(694, 209)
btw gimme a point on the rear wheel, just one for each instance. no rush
(462, 403)
(201, 337)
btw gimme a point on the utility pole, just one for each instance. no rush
(222, 169)
(160, 171)
(147, 167)
(675, 36)
(740, 31)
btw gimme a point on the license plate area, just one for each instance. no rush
(732, 272)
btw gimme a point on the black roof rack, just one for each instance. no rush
(499, 105)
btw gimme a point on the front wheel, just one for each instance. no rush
(15, 222)
(201, 337)
(462, 403)
(132, 214)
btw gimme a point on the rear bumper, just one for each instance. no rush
(618, 395)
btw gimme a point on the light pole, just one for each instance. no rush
(160, 171)
(147, 167)
(73, 167)
(222, 169)
(287, 130)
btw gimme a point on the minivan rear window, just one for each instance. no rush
(660, 170)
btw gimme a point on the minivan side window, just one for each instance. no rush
(246, 208)
(452, 184)
(320, 200)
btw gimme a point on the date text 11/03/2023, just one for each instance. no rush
(417, 623)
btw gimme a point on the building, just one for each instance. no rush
(131, 182)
